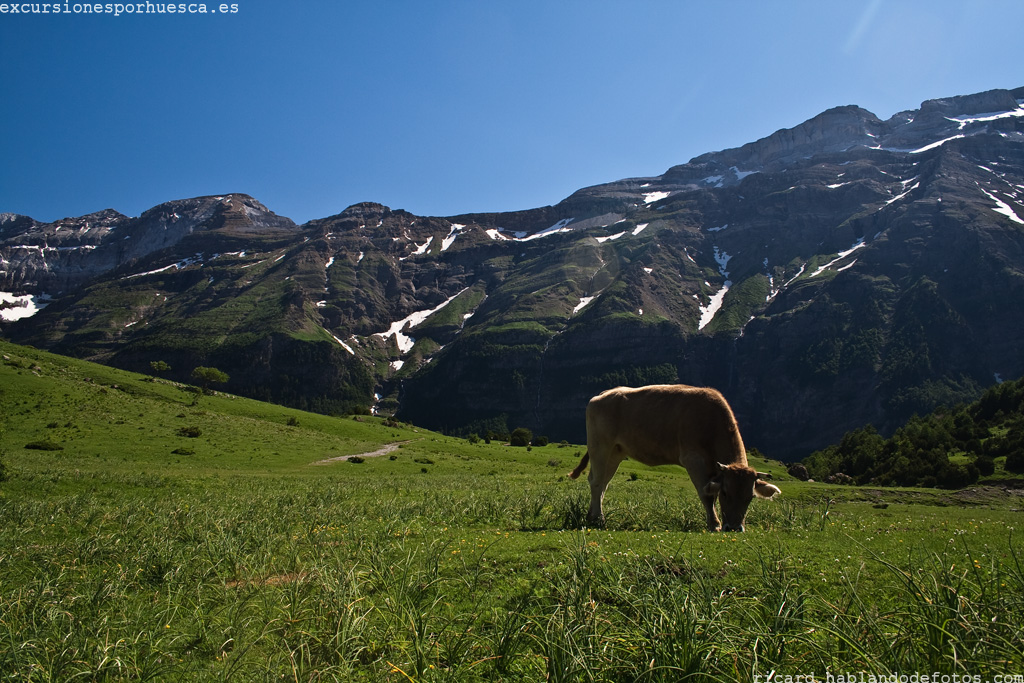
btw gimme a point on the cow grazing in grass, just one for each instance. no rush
(672, 424)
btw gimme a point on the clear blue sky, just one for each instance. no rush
(445, 107)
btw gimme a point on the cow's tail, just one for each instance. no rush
(582, 466)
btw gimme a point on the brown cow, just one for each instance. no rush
(669, 424)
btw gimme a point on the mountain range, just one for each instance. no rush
(847, 271)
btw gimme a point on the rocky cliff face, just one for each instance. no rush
(845, 271)
(55, 257)
(59, 257)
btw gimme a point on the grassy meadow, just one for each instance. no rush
(147, 535)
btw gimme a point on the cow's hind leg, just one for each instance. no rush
(602, 469)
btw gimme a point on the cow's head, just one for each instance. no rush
(735, 486)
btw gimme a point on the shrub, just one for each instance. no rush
(521, 437)
(43, 446)
(541, 441)
(996, 446)
(356, 459)
(293, 421)
(954, 476)
(183, 451)
(986, 466)
(1015, 462)
(190, 432)
(473, 438)
(799, 471)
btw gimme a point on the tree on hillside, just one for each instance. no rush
(853, 456)
(159, 367)
(204, 377)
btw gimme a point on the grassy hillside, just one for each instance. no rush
(144, 537)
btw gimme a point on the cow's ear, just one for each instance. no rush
(713, 487)
(763, 489)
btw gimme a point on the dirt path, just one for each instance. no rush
(372, 454)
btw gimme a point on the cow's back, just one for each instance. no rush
(664, 424)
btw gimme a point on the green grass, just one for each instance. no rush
(440, 561)
(743, 300)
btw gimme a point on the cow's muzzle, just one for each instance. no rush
(727, 527)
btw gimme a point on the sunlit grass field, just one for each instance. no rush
(147, 535)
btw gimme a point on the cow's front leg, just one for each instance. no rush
(709, 506)
(707, 491)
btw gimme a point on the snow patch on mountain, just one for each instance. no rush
(404, 341)
(616, 236)
(934, 144)
(582, 304)
(452, 234)
(343, 344)
(650, 197)
(707, 313)
(902, 195)
(560, 226)
(184, 263)
(722, 259)
(859, 244)
(980, 118)
(19, 306)
(740, 175)
(1002, 207)
(420, 249)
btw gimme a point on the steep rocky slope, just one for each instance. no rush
(845, 271)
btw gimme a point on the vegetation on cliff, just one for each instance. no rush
(949, 448)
